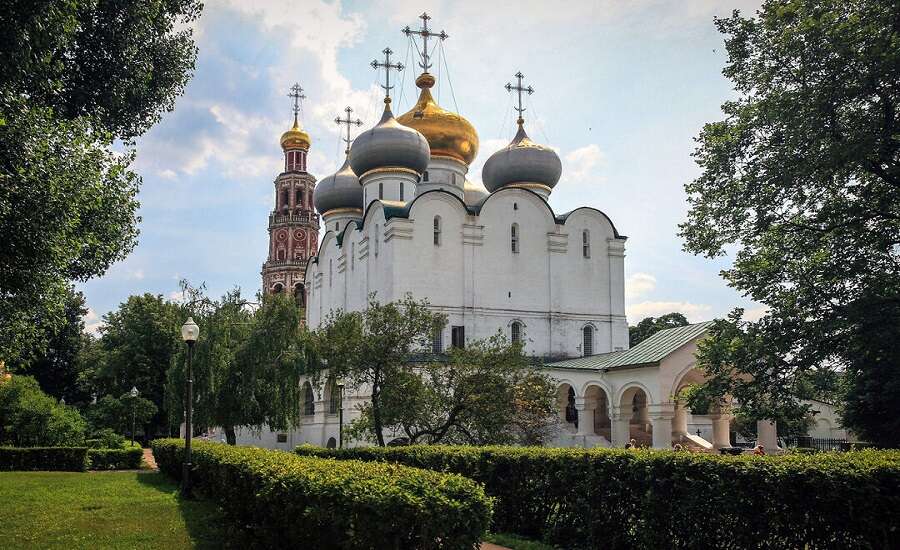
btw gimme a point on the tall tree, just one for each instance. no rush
(802, 180)
(75, 75)
(649, 326)
(372, 348)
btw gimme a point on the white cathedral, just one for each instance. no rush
(400, 216)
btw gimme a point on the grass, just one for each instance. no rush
(515, 542)
(102, 510)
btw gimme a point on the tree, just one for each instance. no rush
(373, 348)
(247, 365)
(111, 413)
(75, 76)
(139, 342)
(56, 367)
(486, 393)
(31, 418)
(802, 180)
(651, 325)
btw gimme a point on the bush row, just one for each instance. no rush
(115, 459)
(660, 499)
(304, 502)
(71, 459)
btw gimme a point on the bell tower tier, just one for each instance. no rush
(293, 224)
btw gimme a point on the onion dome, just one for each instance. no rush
(295, 138)
(448, 134)
(339, 190)
(523, 163)
(389, 145)
(473, 193)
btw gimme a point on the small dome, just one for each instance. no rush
(524, 162)
(339, 190)
(389, 145)
(448, 134)
(474, 193)
(295, 138)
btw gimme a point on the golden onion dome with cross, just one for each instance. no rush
(448, 134)
(295, 138)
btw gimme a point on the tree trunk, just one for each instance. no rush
(376, 413)
(230, 436)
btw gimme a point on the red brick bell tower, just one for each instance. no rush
(294, 224)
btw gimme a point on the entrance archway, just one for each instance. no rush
(568, 414)
(633, 406)
(596, 401)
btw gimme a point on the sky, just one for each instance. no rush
(622, 88)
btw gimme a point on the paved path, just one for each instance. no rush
(490, 546)
(149, 460)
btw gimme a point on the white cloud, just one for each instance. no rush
(639, 284)
(694, 312)
(92, 322)
(755, 313)
(582, 162)
(176, 296)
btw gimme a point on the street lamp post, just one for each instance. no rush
(134, 393)
(340, 385)
(189, 333)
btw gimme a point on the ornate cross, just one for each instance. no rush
(387, 71)
(296, 94)
(349, 122)
(425, 33)
(519, 89)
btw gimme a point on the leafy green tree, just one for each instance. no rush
(486, 393)
(139, 342)
(649, 326)
(802, 181)
(114, 413)
(247, 366)
(373, 348)
(31, 418)
(75, 75)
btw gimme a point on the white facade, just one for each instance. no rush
(471, 270)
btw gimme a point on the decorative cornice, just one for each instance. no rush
(344, 210)
(389, 169)
(530, 185)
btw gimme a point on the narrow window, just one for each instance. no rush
(309, 401)
(586, 244)
(298, 198)
(376, 239)
(401, 191)
(380, 190)
(437, 343)
(458, 337)
(588, 340)
(425, 175)
(352, 256)
(334, 398)
(516, 332)
(514, 238)
(437, 231)
(329, 272)
(337, 226)
(284, 198)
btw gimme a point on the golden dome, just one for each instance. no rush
(448, 134)
(295, 138)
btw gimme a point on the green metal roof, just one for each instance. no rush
(649, 352)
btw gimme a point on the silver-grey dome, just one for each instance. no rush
(389, 145)
(522, 161)
(473, 193)
(339, 190)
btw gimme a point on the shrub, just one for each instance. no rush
(609, 498)
(69, 459)
(106, 439)
(29, 417)
(115, 459)
(303, 502)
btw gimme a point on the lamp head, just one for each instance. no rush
(190, 331)
(134, 391)
(339, 383)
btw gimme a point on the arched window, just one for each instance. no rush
(285, 198)
(334, 397)
(587, 344)
(281, 254)
(309, 401)
(380, 190)
(332, 444)
(277, 288)
(437, 231)
(571, 411)
(298, 198)
(299, 295)
(401, 191)
(514, 238)
(586, 244)
(515, 332)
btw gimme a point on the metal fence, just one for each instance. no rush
(818, 443)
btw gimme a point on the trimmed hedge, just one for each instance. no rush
(288, 501)
(67, 459)
(612, 499)
(115, 459)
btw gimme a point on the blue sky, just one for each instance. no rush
(621, 90)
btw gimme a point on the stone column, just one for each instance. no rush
(662, 431)
(767, 435)
(721, 426)
(679, 421)
(585, 416)
(620, 430)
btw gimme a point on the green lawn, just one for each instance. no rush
(102, 510)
